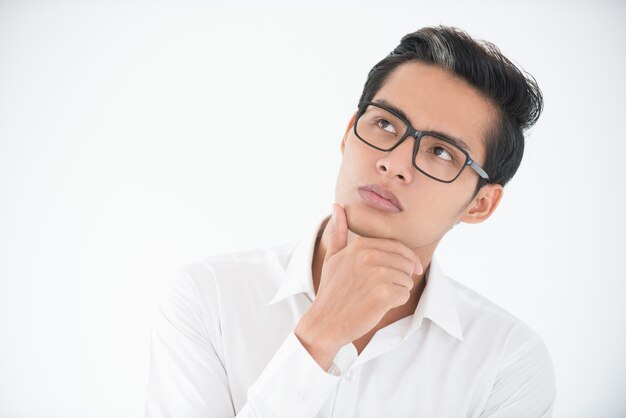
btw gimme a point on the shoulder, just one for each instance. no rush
(479, 314)
(247, 264)
(498, 332)
(521, 352)
(202, 290)
(222, 278)
(523, 372)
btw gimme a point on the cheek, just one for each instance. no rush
(434, 209)
(439, 202)
(359, 157)
(357, 162)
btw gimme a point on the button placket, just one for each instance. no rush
(346, 395)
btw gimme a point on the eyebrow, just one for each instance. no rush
(456, 141)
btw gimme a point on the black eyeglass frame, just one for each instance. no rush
(418, 135)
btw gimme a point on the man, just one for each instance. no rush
(359, 319)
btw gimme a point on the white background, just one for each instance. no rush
(136, 137)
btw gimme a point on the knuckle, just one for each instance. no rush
(380, 271)
(402, 292)
(400, 297)
(383, 293)
(368, 256)
(403, 279)
(409, 281)
(406, 296)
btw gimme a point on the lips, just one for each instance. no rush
(382, 192)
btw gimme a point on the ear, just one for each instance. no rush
(483, 205)
(345, 135)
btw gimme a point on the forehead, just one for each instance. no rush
(435, 100)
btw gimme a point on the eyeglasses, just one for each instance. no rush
(434, 155)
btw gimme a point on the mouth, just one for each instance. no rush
(380, 198)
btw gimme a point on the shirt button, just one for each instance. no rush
(349, 375)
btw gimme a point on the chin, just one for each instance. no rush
(364, 222)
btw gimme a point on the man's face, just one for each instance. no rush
(433, 100)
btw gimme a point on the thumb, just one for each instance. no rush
(338, 231)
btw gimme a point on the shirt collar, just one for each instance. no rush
(437, 302)
(298, 274)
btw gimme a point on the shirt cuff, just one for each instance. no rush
(293, 384)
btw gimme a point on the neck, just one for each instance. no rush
(425, 256)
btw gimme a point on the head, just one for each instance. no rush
(443, 81)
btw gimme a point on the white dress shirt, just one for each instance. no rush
(223, 346)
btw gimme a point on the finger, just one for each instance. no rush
(384, 276)
(338, 225)
(399, 278)
(393, 260)
(397, 296)
(395, 246)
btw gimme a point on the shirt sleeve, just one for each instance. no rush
(187, 376)
(525, 385)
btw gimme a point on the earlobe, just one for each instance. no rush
(484, 204)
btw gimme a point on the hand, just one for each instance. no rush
(359, 283)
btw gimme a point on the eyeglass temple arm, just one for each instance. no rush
(478, 169)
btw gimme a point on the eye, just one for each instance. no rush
(386, 125)
(442, 153)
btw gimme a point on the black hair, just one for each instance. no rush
(514, 93)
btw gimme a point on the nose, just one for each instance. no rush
(398, 163)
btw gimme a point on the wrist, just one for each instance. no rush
(321, 346)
